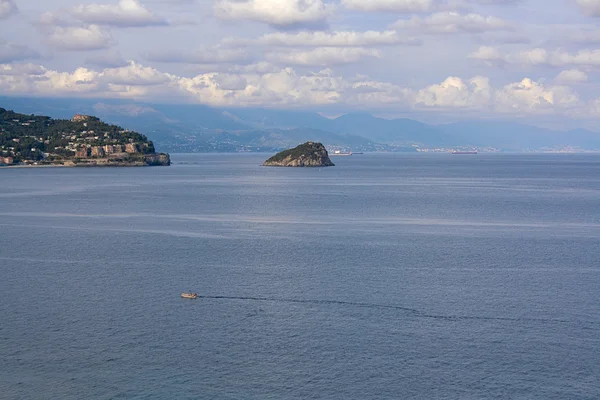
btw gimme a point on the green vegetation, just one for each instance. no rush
(309, 154)
(300, 151)
(30, 138)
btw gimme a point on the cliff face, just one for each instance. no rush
(309, 154)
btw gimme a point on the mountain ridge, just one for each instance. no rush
(193, 128)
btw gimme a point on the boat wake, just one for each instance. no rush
(412, 311)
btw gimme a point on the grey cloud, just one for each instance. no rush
(107, 59)
(208, 56)
(452, 22)
(510, 38)
(323, 56)
(79, 38)
(496, 2)
(586, 37)
(31, 70)
(64, 33)
(10, 52)
(321, 38)
(7, 8)
(590, 7)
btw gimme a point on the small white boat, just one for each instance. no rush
(189, 295)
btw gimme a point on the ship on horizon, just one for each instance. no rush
(340, 153)
(464, 152)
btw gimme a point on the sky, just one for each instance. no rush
(434, 60)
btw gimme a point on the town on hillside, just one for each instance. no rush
(82, 140)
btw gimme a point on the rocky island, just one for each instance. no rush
(81, 141)
(309, 154)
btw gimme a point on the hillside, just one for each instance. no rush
(83, 140)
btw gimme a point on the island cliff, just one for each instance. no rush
(309, 154)
(82, 141)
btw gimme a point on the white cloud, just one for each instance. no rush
(7, 8)
(590, 7)
(453, 92)
(287, 88)
(134, 74)
(322, 56)
(126, 13)
(275, 12)
(529, 96)
(571, 76)
(321, 38)
(230, 82)
(452, 22)
(487, 53)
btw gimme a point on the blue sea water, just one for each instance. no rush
(389, 276)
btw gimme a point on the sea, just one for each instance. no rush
(388, 276)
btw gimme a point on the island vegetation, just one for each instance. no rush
(309, 154)
(81, 141)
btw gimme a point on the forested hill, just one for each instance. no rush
(30, 138)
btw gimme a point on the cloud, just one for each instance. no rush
(452, 22)
(7, 8)
(213, 55)
(14, 69)
(107, 59)
(134, 74)
(590, 7)
(487, 53)
(79, 38)
(126, 13)
(230, 82)
(323, 56)
(582, 57)
(518, 98)
(571, 76)
(67, 34)
(286, 88)
(532, 57)
(10, 52)
(586, 37)
(280, 13)
(496, 2)
(398, 6)
(539, 56)
(322, 38)
(529, 96)
(418, 6)
(453, 92)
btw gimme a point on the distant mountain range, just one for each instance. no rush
(198, 128)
